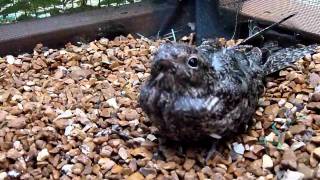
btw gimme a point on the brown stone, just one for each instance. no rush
(116, 169)
(188, 164)
(61, 123)
(106, 163)
(14, 154)
(18, 123)
(316, 152)
(191, 175)
(79, 74)
(313, 105)
(131, 115)
(257, 149)
(315, 139)
(106, 112)
(316, 119)
(141, 151)
(250, 155)
(135, 176)
(249, 139)
(77, 168)
(297, 129)
(272, 110)
(169, 165)
(148, 171)
(256, 167)
(289, 160)
(314, 79)
(306, 170)
(315, 97)
(3, 115)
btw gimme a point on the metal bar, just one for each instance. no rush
(207, 20)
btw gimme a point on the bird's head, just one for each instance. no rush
(178, 66)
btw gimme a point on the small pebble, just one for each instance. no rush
(10, 59)
(293, 175)
(267, 162)
(43, 155)
(238, 148)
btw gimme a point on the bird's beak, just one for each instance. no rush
(164, 64)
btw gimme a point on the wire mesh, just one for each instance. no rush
(19, 10)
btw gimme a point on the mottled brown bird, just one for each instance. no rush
(211, 91)
(196, 92)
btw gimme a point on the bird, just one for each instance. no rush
(210, 90)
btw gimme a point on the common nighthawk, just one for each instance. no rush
(209, 90)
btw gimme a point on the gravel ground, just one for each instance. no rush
(73, 114)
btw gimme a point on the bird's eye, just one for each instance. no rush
(193, 62)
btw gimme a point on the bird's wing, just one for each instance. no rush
(286, 57)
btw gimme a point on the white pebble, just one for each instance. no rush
(297, 145)
(151, 137)
(17, 97)
(267, 162)
(85, 149)
(270, 137)
(293, 175)
(14, 173)
(3, 175)
(282, 102)
(68, 130)
(140, 75)
(288, 105)
(18, 61)
(123, 153)
(17, 145)
(280, 120)
(134, 122)
(135, 82)
(67, 168)
(30, 83)
(10, 59)
(27, 88)
(80, 113)
(152, 49)
(20, 106)
(294, 109)
(65, 115)
(247, 147)
(139, 139)
(238, 148)
(317, 89)
(46, 53)
(113, 103)
(43, 155)
(259, 125)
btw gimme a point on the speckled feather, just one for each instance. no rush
(216, 98)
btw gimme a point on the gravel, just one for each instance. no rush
(72, 113)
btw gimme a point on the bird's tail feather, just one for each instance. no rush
(285, 57)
